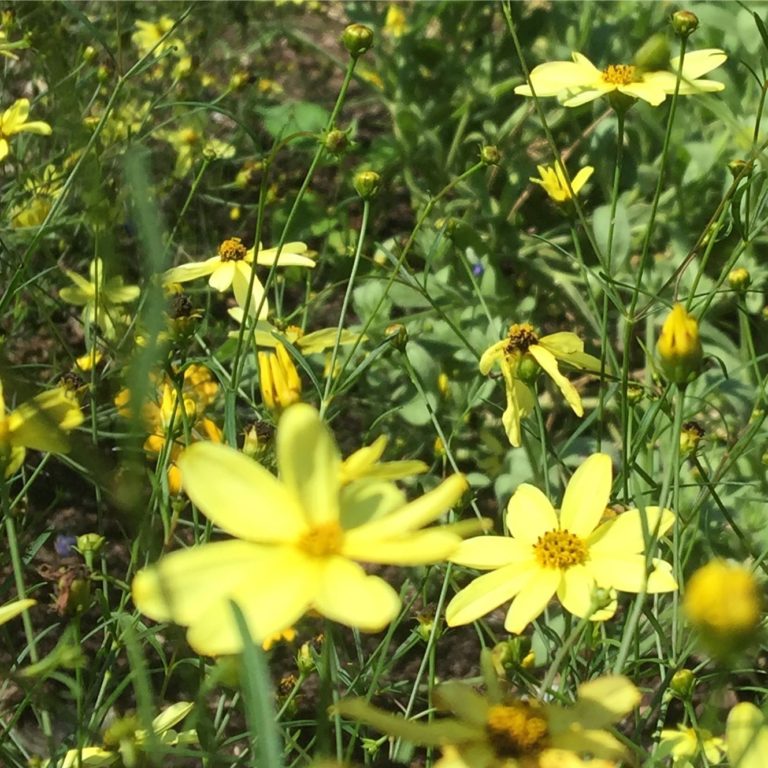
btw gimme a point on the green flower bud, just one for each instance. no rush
(336, 142)
(367, 184)
(737, 166)
(528, 370)
(357, 39)
(397, 334)
(739, 279)
(90, 542)
(89, 54)
(684, 23)
(653, 54)
(682, 683)
(490, 155)
(635, 393)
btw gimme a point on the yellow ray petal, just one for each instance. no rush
(587, 495)
(532, 599)
(420, 548)
(490, 552)
(624, 534)
(530, 514)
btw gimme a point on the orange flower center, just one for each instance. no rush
(516, 730)
(559, 550)
(232, 250)
(520, 337)
(322, 540)
(620, 74)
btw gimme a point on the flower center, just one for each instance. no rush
(620, 74)
(516, 730)
(232, 250)
(322, 540)
(559, 550)
(521, 336)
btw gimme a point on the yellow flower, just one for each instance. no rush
(286, 636)
(555, 184)
(43, 192)
(191, 144)
(294, 550)
(571, 554)
(232, 266)
(580, 81)
(395, 23)
(365, 464)
(148, 38)
(279, 380)
(746, 737)
(520, 354)
(99, 297)
(724, 602)
(684, 744)
(679, 346)
(13, 609)
(490, 732)
(14, 120)
(39, 423)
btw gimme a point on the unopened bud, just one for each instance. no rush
(690, 437)
(490, 155)
(684, 23)
(682, 683)
(635, 393)
(739, 279)
(89, 54)
(336, 142)
(736, 167)
(679, 347)
(367, 184)
(397, 334)
(357, 39)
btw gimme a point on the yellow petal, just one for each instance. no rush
(309, 462)
(419, 548)
(530, 514)
(347, 594)
(587, 495)
(624, 533)
(698, 63)
(488, 592)
(40, 423)
(171, 716)
(548, 362)
(191, 271)
(491, 355)
(11, 610)
(221, 276)
(746, 737)
(532, 599)
(490, 552)
(520, 402)
(575, 593)
(605, 701)
(239, 495)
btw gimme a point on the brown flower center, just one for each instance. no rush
(516, 730)
(322, 540)
(620, 74)
(232, 250)
(559, 550)
(520, 337)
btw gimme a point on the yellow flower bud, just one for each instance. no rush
(739, 279)
(366, 184)
(682, 683)
(357, 39)
(684, 23)
(679, 347)
(278, 379)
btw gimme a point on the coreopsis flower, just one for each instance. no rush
(150, 37)
(505, 732)
(395, 22)
(679, 347)
(39, 423)
(297, 549)
(366, 464)
(580, 81)
(232, 266)
(684, 745)
(746, 737)
(13, 609)
(176, 416)
(43, 192)
(191, 143)
(99, 297)
(14, 120)
(571, 554)
(520, 355)
(723, 601)
(553, 180)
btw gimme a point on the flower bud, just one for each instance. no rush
(397, 334)
(528, 370)
(682, 683)
(635, 393)
(690, 437)
(490, 155)
(336, 142)
(89, 54)
(736, 167)
(357, 39)
(684, 23)
(88, 545)
(739, 279)
(367, 184)
(679, 347)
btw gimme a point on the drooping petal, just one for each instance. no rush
(347, 594)
(532, 599)
(520, 402)
(318, 341)
(575, 593)
(35, 126)
(291, 255)
(309, 462)
(257, 304)
(563, 343)
(13, 609)
(549, 363)
(40, 422)
(488, 592)
(182, 585)
(415, 514)
(605, 701)
(490, 552)
(587, 495)
(416, 548)
(530, 514)
(191, 271)
(491, 355)
(239, 495)
(222, 276)
(624, 534)
(117, 293)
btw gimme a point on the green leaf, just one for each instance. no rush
(294, 117)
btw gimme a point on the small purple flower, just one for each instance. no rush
(478, 269)
(64, 545)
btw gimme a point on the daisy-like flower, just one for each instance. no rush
(491, 732)
(99, 298)
(746, 737)
(684, 744)
(520, 354)
(191, 144)
(232, 266)
(552, 179)
(40, 423)
(570, 554)
(14, 120)
(580, 81)
(148, 37)
(296, 546)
